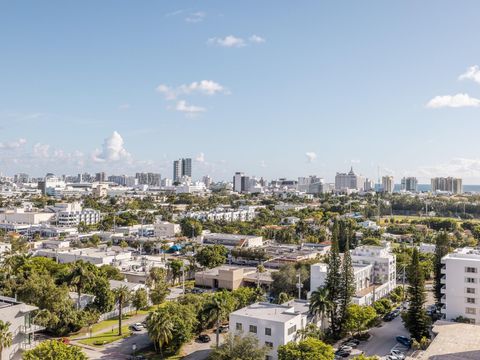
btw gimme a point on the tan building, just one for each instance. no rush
(232, 277)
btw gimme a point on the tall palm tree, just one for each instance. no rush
(320, 304)
(6, 336)
(80, 278)
(122, 295)
(160, 328)
(217, 310)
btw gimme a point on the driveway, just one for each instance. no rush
(382, 339)
(200, 351)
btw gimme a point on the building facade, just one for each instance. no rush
(447, 184)
(349, 181)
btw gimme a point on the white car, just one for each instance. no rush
(345, 348)
(398, 354)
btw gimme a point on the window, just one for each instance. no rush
(292, 329)
(268, 331)
(472, 321)
(238, 326)
(470, 269)
(470, 311)
(470, 280)
(253, 329)
(470, 300)
(470, 291)
(269, 344)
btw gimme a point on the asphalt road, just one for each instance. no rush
(383, 340)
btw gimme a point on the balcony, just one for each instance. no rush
(443, 299)
(443, 290)
(443, 310)
(443, 270)
(30, 329)
(29, 345)
(443, 280)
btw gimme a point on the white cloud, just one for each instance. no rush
(205, 87)
(256, 39)
(41, 150)
(227, 41)
(455, 101)
(196, 17)
(472, 73)
(183, 107)
(461, 167)
(112, 150)
(200, 157)
(11, 145)
(311, 156)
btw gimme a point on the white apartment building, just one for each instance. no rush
(21, 327)
(461, 280)
(72, 214)
(165, 229)
(92, 255)
(374, 269)
(387, 184)
(349, 181)
(274, 325)
(20, 216)
(242, 214)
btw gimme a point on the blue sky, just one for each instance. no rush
(271, 88)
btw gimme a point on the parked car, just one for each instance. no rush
(405, 341)
(342, 353)
(352, 340)
(350, 344)
(223, 328)
(389, 317)
(345, 348)
(391, 357)
(398, 354)
(204, 338)
(135, 327)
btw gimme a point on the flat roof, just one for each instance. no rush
(454, 341)
(271, 312)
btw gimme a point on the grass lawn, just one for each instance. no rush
(107, 337)
(150, 354)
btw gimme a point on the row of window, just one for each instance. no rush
(268, 331)
(469, 269)
(470, 311)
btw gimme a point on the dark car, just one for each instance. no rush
(351, 341)
(405, 341)
(342, 353)
(204, 338)
(389, 317)
(223, 328)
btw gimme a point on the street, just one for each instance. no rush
(383, 340)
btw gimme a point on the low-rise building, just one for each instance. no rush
(18, 314)
(233, 240)
(92, 255)
(272, 324)
(165, 229)
(232, 277)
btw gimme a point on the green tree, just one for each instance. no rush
(191, 227)
(6, 337)
(364, 357)
(104, 298)
(320, 304)
(286, 279)
(160, 330)
(176, 269)
(442, 247)
(347, 285)
(333, 281)
(122, 296)
(212, 256)
(308, 349)
(80, 278)
(217, 310)
(359, 318)
(54, 350)
(236, 347)
(416, 319)
(140, 299)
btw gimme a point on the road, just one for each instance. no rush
(199, 351)
(383, 340)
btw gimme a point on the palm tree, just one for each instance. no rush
(122, 295)
(6, 336)
(217, 310)
(320, 304)
(80, 278)
(160, 328)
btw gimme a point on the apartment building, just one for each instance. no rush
(92, 255)
(274, 325)
(165, 229)
(349, 181)
(72, 214)
(182, 168)
(374, 269)
(232, 277)
(447, 184)
(18, 314)
(409, 184)
(387, 184)
(461, 285)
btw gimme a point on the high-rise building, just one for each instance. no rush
(349, 181)
(207, 180)
(447, 184)
(387, 184)
(101, 177)
(21, 178)
(409, 184)
(181, 168)
(369, 185)
(241, 182)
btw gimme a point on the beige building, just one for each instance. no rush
(232, 277)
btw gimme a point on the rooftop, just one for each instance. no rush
(274, 312)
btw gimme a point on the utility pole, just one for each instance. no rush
(299, 287)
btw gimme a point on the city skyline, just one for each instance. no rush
(270, 89)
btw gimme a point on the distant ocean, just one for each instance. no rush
(427, 187)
